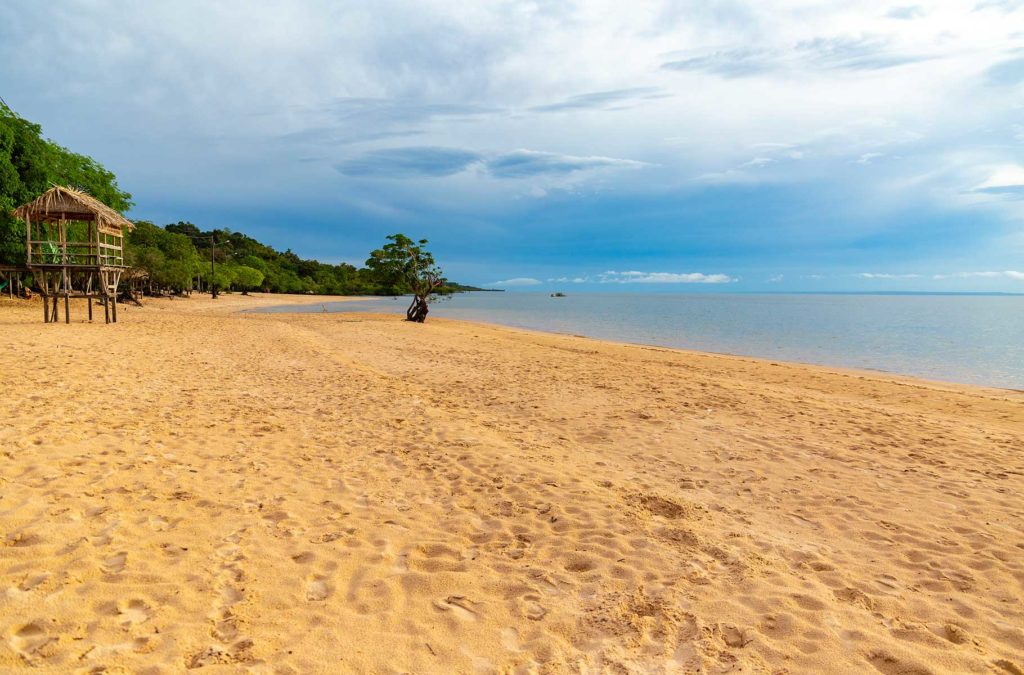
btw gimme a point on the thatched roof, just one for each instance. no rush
(64, 203)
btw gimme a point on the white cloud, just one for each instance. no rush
(967, 275)
(570, 280)
(869, 157)
(1004, 180)
(886, 275)
(984, 274)
(906, 12)
(517, 281)
(634, 277)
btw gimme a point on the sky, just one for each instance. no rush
(674, 145)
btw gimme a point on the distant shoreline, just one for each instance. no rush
(718, 292)
(947, 338)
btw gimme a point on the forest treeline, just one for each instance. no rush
(175, 258)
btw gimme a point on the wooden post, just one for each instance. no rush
(28, 239)
(46, 308)
(65, 280)
(114, 309)
(88, 300)
(106, 309)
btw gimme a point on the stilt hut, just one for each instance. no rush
(75, 249)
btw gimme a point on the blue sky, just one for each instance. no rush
(593, 144)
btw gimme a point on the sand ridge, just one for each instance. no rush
(330, 493)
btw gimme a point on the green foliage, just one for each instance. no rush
(247, 278)
(283, 272)
(170, 259)
(405, 266)
(178, 254)
(29, 163)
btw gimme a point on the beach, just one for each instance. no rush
(201, 488)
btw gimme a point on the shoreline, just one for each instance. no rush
(239, 304)
(878, 372)
(197, 486)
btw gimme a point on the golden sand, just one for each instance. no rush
(196, 488)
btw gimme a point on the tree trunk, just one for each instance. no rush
(417, 311)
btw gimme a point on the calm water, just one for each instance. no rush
(970, 339)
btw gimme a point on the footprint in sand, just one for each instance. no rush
(133, 612)
(666, 508)
(401, 565)
(28, 640)
(734, 636)
(229, 595)
(458, 605)
(225, 627)
(532, 609)
(115, 564)
(317, 589)
(229, 573)
(510, 640)
(31, 581)
(886, 663)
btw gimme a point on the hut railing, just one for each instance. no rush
(84, 253)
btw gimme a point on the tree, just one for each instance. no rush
(223, 277)
(168, 258)
(405, 266)
(247, 278)
(29, 164)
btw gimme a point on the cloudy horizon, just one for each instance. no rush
(722, 146)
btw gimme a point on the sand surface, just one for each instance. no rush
(196, 488)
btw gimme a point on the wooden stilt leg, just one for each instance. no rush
(114, 308)
(46, 309)
(106, 309)
(88, 300)
(67, 307)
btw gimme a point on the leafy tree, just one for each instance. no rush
(247, 278)
(223, 275)
(406, 266)
(29, 163)
(169, 259)
(187, 229)
(22, 177)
